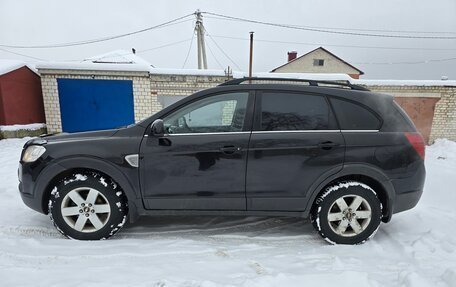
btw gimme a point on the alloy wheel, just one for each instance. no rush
(85, 209)
(349, 215)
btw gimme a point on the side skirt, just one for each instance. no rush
(226, 213)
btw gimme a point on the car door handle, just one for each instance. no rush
(231, 149)
(327, 145)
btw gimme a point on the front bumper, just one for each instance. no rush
(34, 179)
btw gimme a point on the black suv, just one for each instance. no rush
(336, 152)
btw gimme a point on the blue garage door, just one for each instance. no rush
(87, 105)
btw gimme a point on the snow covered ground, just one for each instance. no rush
(418, 248)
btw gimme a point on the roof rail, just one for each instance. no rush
(310, 82)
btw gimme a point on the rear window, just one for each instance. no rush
(293, 111)
(352, 116)
(397, 120)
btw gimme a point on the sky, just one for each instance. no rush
(45, 22)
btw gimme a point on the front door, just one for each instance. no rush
(200, 163)
(295, 143)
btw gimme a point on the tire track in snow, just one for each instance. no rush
(29, 232)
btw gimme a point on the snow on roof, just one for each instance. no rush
(118, 57)
(89, 66)
(137, 67)
(195, 72)
(7, 66)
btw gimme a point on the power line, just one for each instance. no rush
(335, 45)
(189, 50)
(163, 46)
(333, 31)
(220, 48)
(103, 39)
(213, 55)
(355, 29)
(144, 50)
(23, 55)
(407, 62)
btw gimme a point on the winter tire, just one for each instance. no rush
(347, 213)
(87, 207)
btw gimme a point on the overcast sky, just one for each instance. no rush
(54, 21)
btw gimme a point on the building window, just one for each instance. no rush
(319, 62)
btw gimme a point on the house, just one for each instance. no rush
(319, 60)
(21, 100)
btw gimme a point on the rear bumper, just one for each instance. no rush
(406, 201)
(409, 190)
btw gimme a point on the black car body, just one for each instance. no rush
(273, 162)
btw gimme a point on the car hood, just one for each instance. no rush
(65, 137)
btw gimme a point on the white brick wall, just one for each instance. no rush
(444, 123)
(51, 103)
(180, 85)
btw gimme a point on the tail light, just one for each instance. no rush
(417, 142)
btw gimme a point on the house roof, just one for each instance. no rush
(320, 48)
(118, 57)
(7, 65)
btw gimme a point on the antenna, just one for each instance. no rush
(199, 29)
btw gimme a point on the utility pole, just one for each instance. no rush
(251, 54)
(199, 29)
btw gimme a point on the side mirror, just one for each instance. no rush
(157, 128)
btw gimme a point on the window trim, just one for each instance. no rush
(248, 121)
(272, 132)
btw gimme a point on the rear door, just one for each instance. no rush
(295, 143)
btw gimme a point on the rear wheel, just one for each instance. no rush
(347, 213)
(87, 207)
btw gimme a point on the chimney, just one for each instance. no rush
(292, 55)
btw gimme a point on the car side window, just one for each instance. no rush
(294, 111)
(219, 113)
(352, 116)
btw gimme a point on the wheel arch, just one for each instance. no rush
(65, 167)
(367, 174)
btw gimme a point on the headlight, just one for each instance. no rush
(32, 153)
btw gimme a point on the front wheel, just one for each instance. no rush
(347, 213)
(87, 207)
